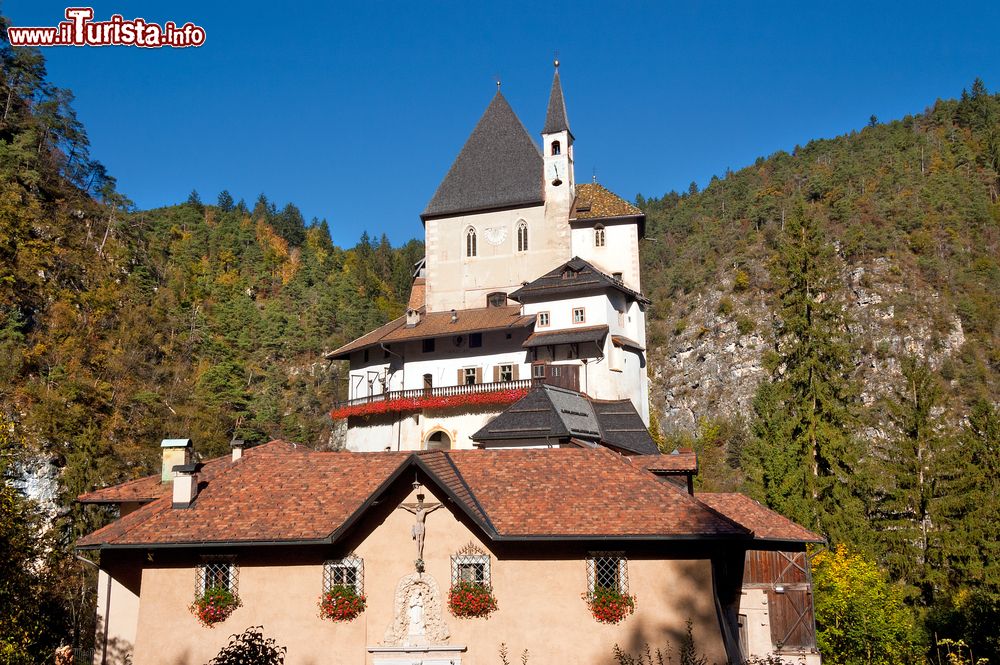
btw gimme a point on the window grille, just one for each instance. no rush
(217, 573)
(470, 564)
(607, 570)
(349, 571)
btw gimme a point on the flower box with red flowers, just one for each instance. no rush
(471, 600)
(610, 605)
(418, 402)
(341, 603)
(214, 606)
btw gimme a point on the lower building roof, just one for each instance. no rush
(291, 495)
(766, 524)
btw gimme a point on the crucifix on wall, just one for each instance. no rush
(420, 509)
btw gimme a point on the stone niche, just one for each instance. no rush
(418, 634)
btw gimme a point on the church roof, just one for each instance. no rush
(439, 324)
(555, 115)
(292, 495)
(554, 413)
(499, 166)
(574, 276)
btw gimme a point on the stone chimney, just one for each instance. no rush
(237, 445)
(185, 484)
(175, 452)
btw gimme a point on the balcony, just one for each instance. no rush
(396, 401)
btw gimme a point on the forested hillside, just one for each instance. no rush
(119, 327)
(826, 332)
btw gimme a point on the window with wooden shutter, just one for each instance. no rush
(479, 375)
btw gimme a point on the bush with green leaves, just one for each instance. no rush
(250, 648)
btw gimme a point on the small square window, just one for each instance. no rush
(344, 572)
(538, 371)
(578, 315)
(607, 570)
(475, 340)
(470, 564)
(217, 573)
(506, 373)
(428, 346)
(469, 376)
(542, 319)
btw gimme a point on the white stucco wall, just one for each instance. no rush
(117, 619)
(619, 254)
(455, 281)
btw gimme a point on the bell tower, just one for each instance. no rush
(557, 150)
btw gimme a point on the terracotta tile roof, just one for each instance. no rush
(595, 202)
(679, 461)
(764, 522)
(580, 492)
(439, 324)
(417, 293)
(283, 494)
(574, 276)
(566, 336)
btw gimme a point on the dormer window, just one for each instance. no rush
(522, 236)
(556, 148)
(470, 242)
(599, 236)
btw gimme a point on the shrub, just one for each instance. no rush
(341, 603)
(471, 600)
(745, 325)
(725, 306)
(214, 606)
(250, 648)
(741, 281)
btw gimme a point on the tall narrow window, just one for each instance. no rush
(556, 148)
(470, 242)
(522, 236)
(599, 236)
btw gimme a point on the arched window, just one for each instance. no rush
(522, 236)
(556, 148)
(599, 236)
(438, 440)
(470, 242)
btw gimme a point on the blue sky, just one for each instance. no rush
(354, 112)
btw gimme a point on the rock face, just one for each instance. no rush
(708, 363)
(38, 479)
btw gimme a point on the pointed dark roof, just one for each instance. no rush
(554, 413)
(555, 116)
(499, 166)
(574, 276)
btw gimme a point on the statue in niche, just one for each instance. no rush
(416, 622)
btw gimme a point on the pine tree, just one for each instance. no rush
(909, 467)
(803, 457)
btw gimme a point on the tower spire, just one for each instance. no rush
(555, 116)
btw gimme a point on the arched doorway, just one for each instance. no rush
(438, 440)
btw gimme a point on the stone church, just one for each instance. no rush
(500, 489)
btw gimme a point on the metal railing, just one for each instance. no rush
(443, 391)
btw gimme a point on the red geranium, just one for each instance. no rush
(610, 605)
(469, 599)
(341, 603)
(419, 402)
(214, 606)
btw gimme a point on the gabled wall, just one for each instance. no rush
(538, 590)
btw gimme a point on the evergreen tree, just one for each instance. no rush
(804, 456)
(225, 202)
(909, 468)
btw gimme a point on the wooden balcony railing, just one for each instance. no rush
(499, 392)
